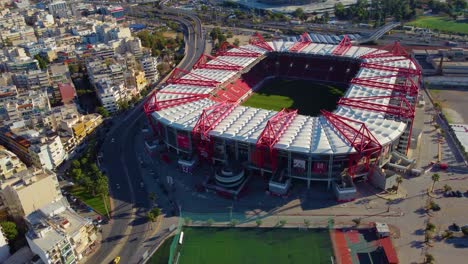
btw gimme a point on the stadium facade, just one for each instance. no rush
(198, 113)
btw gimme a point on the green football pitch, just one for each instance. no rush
(206, 245)
(306, 96)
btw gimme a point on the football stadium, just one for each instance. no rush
(289, 111)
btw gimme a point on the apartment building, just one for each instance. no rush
(47, 151)
(10, 164)
(28, 190)
(59, 9)
(101, 69)
(25, 107)
(32, 80)
(34, 148)
(150, 67)
(74, 229)
(110, 93)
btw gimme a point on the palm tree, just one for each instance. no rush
(435, 178)
(399, 180)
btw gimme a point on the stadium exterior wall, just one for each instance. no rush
(318, 167)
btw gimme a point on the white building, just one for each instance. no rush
(110, 93)
(58, 234)
(150, 67)
(46, 151)
(58, 8)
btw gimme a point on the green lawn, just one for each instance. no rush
(161, 256)
(94, 202)
(442, 24)
(255, 245)
(306, 96)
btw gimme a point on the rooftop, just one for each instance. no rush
(305, 134)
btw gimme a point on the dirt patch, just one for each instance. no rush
(453, 103)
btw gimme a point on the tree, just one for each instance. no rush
(465, 230)
(151, 217)
(340, 11)
(357, 221)
(428, 236)
(236, 42)
(306, 223)
(430, 227)
(42, 62)
(9, 230)
(73, 68)
(123, 105)
(281, 222)
(76, 164)
(187, 220)
(101, 185)
(259, 222)
(298, 13)
(447, 188)
(399, 180)
(209, 222)
(435, 178)
(152, 196)
(77, 174)
(88, 184)
(429, 259)
(234, 222)
(102, 111)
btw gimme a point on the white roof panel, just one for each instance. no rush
(305, 134)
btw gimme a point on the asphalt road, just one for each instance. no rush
(130, 201)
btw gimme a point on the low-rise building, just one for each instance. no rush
(43, 150)
(110, 94)
(10, 164)
(28, 190)
(26, 107)
(58, 216)
(74, 129)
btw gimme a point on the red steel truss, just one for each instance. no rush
(208, 120)
(211, 116)
(408, 87)
(360, 138)
(258, 41)
(224, 50)
(272, 132)
(303, 42)
(202, 63)
(198, 80)
(401, 107)
(149, 107)
(343, 47)
(394, 50)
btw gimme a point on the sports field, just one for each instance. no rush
(306, 96)
(442, 24)
(255, 245)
